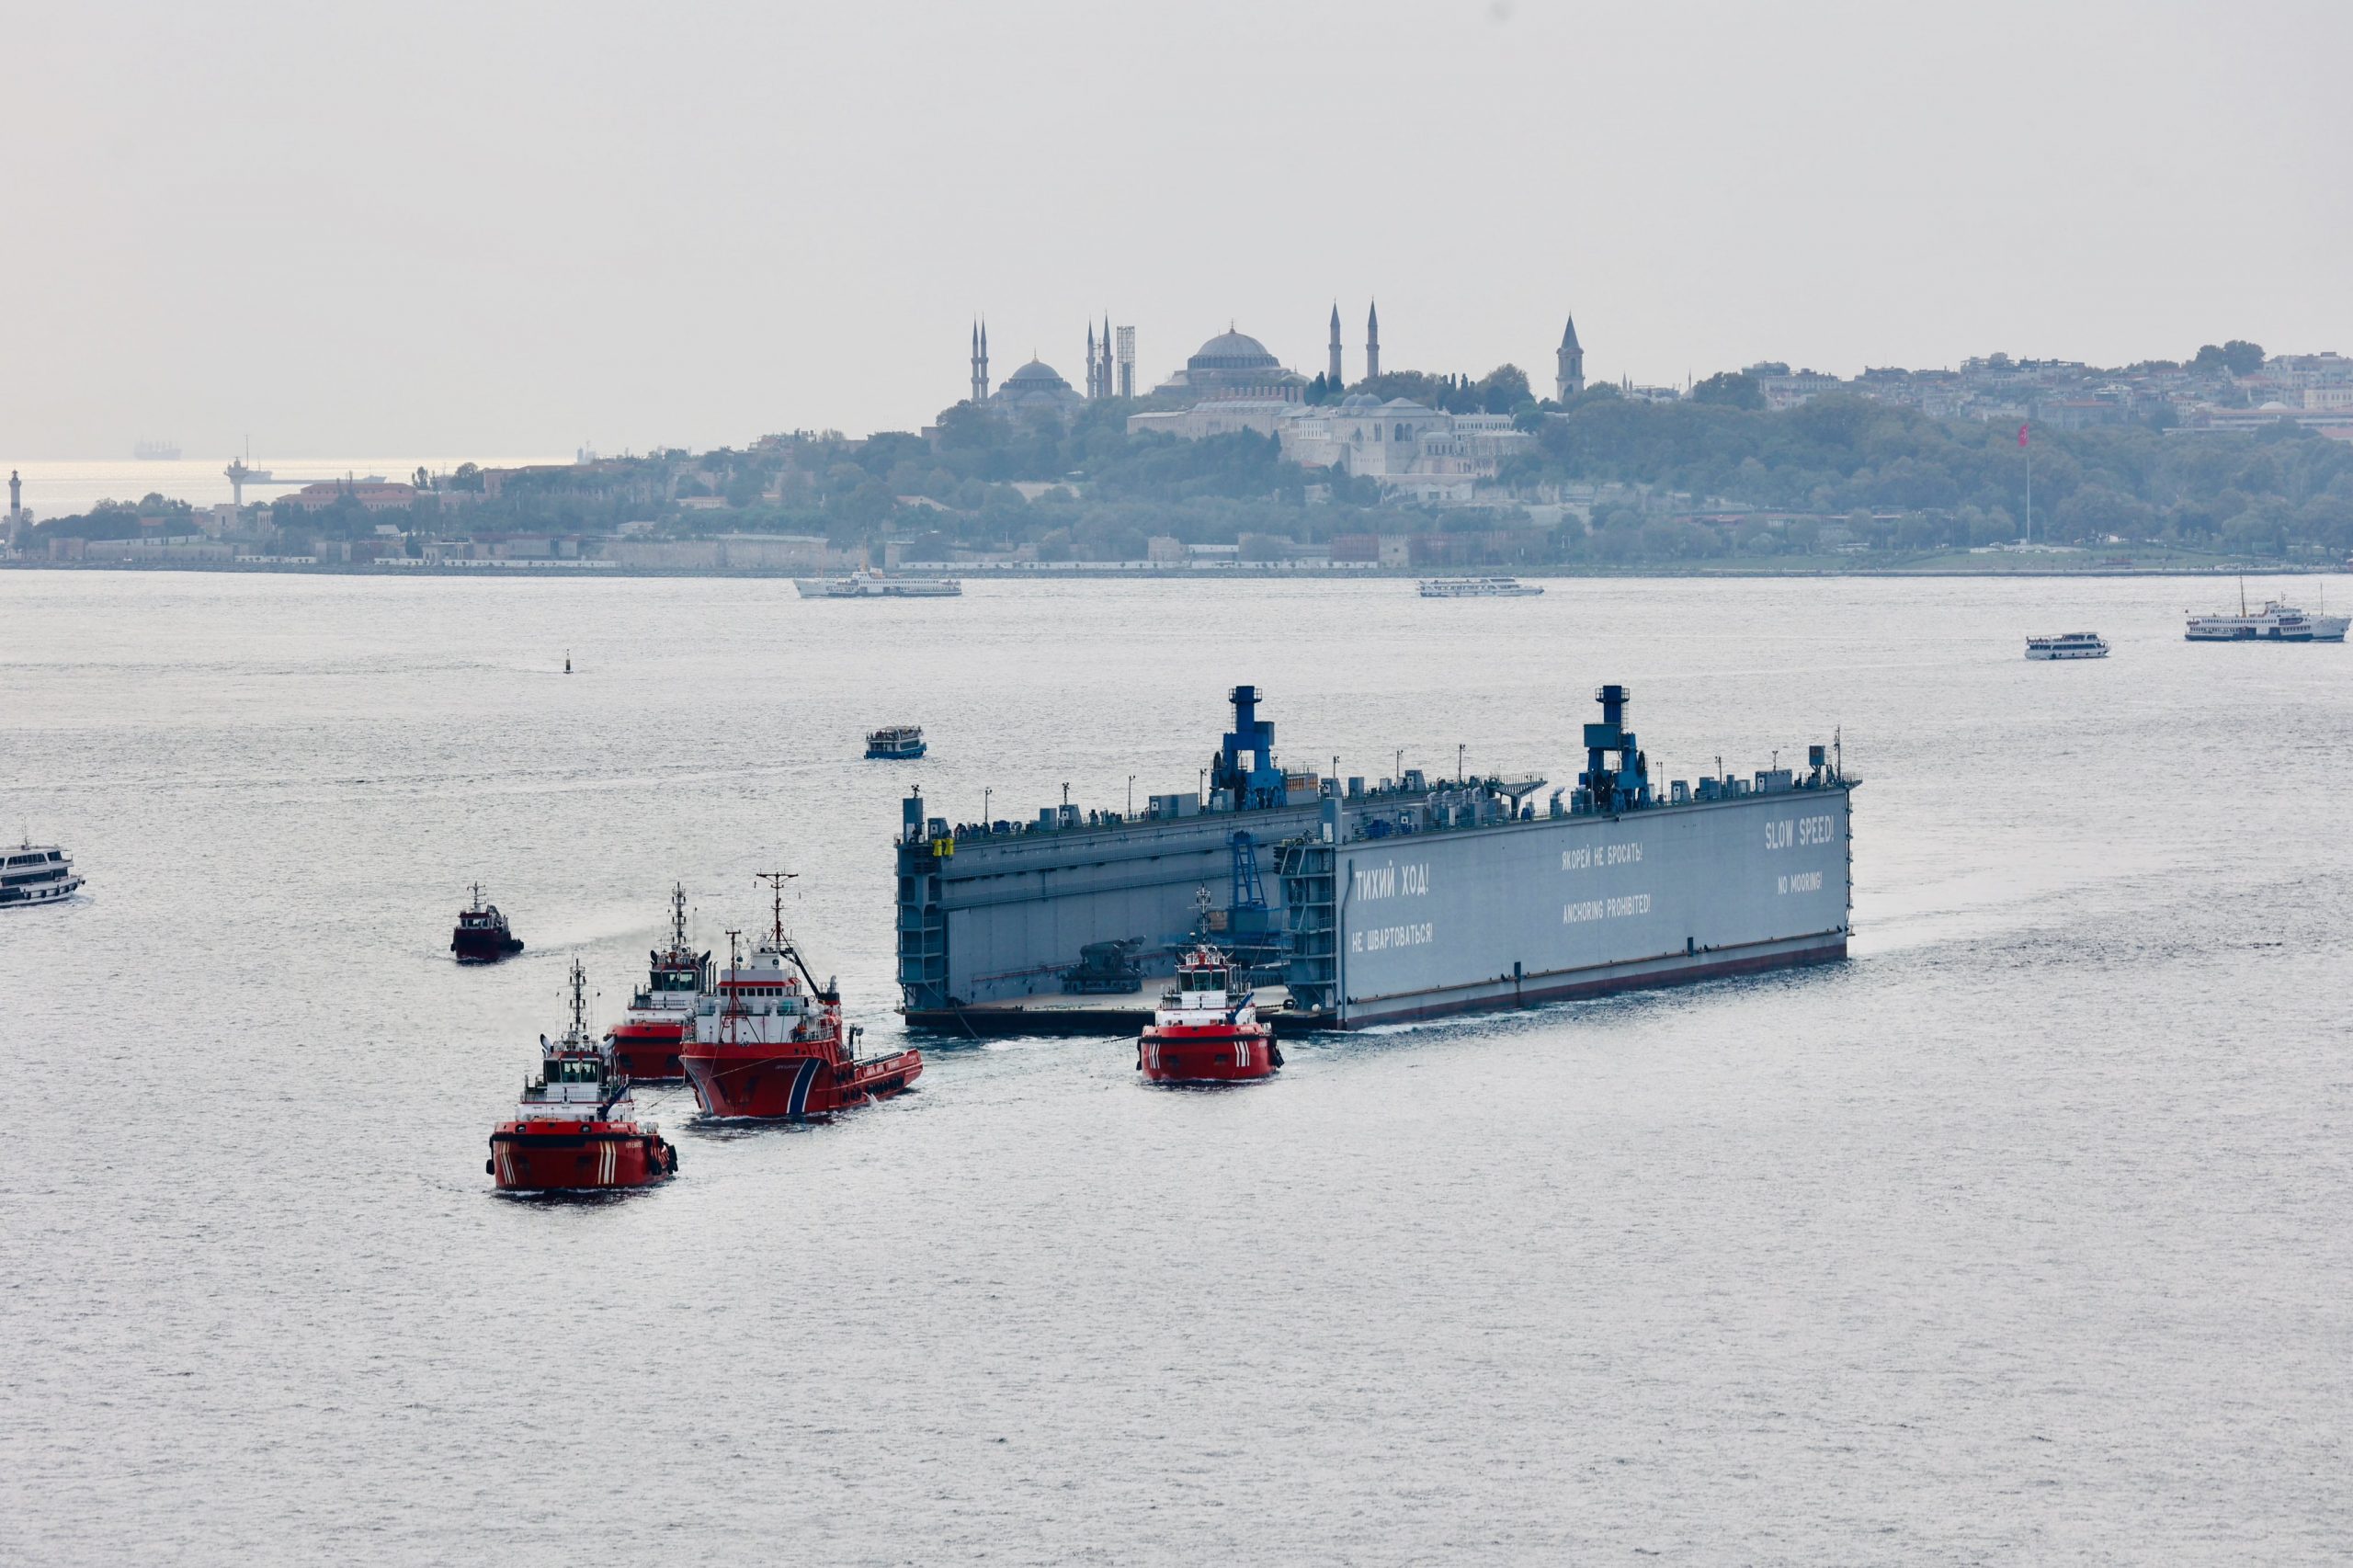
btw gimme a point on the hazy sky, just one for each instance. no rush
(502, 228)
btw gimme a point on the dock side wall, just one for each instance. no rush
(1447, 922)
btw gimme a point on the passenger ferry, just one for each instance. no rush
(771, 1045)
(2277, 621)
(896, 743)
(37, 873)
(575, 1128)
(1206, 1030)
(1479, 588)
(2067, 645)
(867, 585)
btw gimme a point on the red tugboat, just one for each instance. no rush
(1205, 1030)
(771, 1045)
(482, 936)
(576, 1130)
(660, 1016)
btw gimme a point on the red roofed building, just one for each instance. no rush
(373, 497)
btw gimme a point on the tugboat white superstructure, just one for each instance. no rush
(36, 873)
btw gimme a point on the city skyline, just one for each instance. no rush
(665, 253)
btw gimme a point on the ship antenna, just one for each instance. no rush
(579, 1001)
(776, 880)
(677, 914)
(733, 1008)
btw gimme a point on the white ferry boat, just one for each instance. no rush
(36, 873)
(875, 585)
(1477, 588)
(896, 743)
(2067, 645)
(2277, 621)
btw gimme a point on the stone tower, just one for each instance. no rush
(1333, 375)
(1373, 341)
(1568, 380)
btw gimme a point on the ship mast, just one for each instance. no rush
(733, 1007)
(579, 1003)
(776, 880)
(678, 917)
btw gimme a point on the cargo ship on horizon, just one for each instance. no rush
(1408, 898)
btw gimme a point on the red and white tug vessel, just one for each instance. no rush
(577, 1129)
(770, 1045)
(660, 1016)
(1206, 1030)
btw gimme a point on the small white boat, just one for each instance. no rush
(1477, 588)
(36, 873)
(875, 585)
(2067, 645)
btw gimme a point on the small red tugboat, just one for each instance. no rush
(576, 1130)
(660, 1016)
(482, 936)
(767, 1048)
(1205, 1030)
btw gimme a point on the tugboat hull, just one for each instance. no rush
(1208, 1056)
(648, 1053)
(525, 1159)
(473, 947)
(771, 1086)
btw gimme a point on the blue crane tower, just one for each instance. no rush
(1261, 783)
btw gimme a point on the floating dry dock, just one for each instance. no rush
(1409, 899)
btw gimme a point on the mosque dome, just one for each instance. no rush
(1232, 350)
(1036, 376)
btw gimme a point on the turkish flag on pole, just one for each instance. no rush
(2021, 434)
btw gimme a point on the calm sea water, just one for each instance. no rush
(2019, 1237)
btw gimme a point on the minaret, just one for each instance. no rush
(1094, 384)
(1569, 377)
(980, 362)
(973, 393)
(1333, 375)
(1372, 342)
